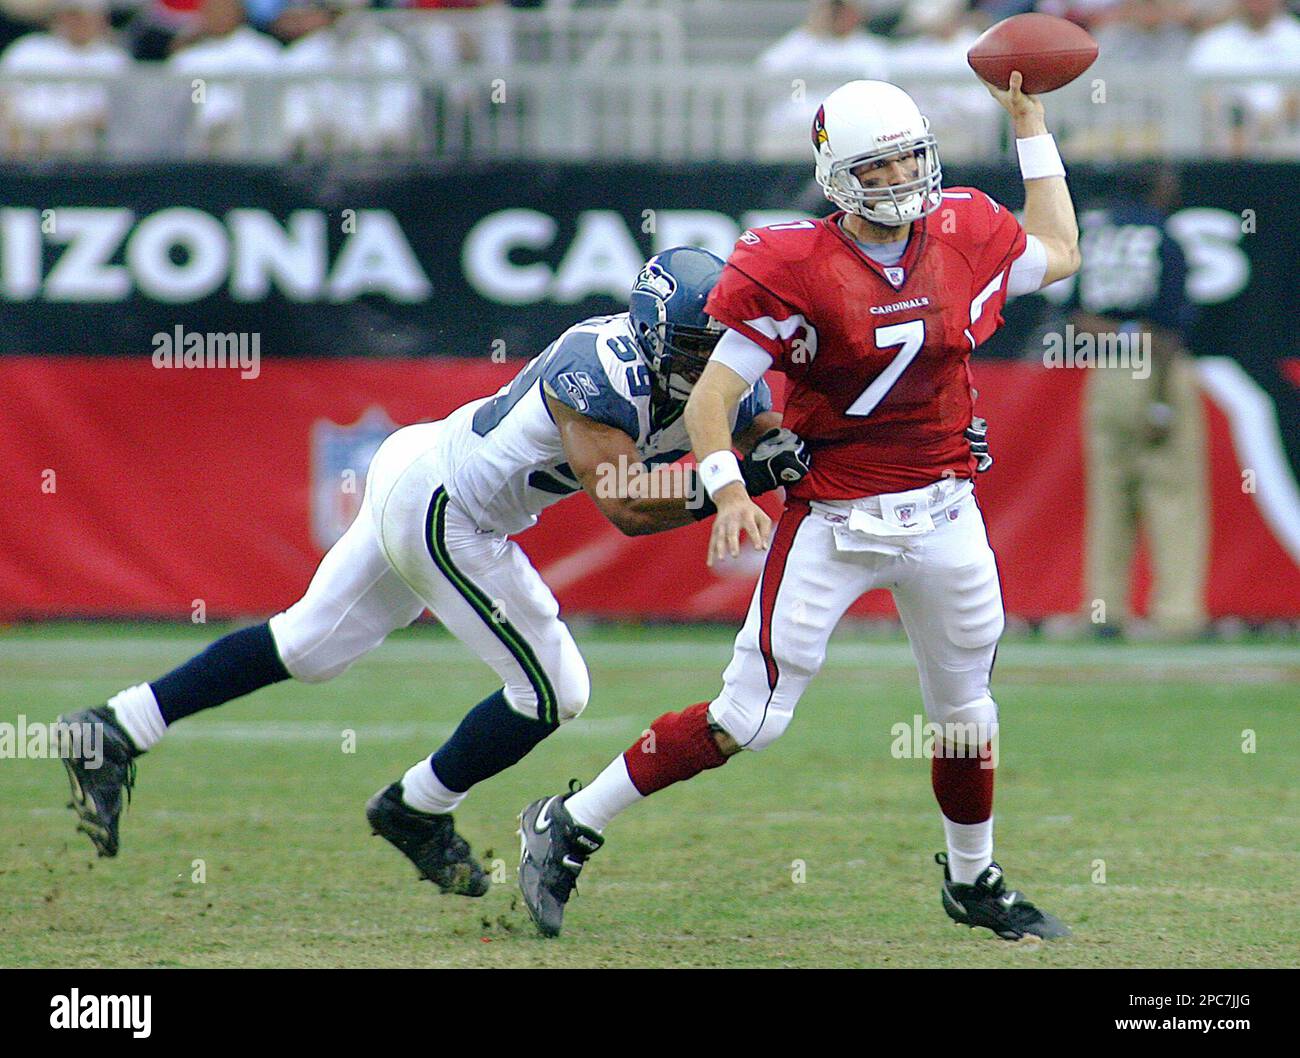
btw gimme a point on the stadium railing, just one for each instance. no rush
(620, 112)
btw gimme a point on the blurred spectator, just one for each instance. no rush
(159, 23)
(831, 42)
(1088, 13)
(1263, 39)
(938, 34)
(990, 11)
(881, 17)
(329, 115)
(1147, 14)
(67, 118)
(20, 17)
(217, 55)
(1147, 464)
(1139, 30)
(485, 36)
(288, 20)
(828, 49)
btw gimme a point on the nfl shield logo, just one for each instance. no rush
(895, 276)
(340, 456)
(905, 512)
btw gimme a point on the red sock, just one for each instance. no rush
(678, 746)
(963, 786)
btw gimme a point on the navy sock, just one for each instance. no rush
(490, 739)
(232, 666)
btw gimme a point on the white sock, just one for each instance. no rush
(136, 710)
(970, 848)
(609, 793)
(421, 789)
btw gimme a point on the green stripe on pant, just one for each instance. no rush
(511, 638)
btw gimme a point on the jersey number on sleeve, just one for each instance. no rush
(638, 376)
(910, 337)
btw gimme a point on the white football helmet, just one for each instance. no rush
(869, 121)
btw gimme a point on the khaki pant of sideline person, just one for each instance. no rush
(1160, 488)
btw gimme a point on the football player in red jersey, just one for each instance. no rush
(872, 314)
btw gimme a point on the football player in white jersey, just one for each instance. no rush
(442, 500)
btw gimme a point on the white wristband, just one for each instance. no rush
(1039, 157)
(719, 470)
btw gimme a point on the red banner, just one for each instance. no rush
(136, 491)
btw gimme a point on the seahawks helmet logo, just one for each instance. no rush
(654, 280)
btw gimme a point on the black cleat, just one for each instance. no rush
(990, 904)
(429, 841)
(97, 791)
(552, 849)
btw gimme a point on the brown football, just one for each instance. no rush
(1048, 51)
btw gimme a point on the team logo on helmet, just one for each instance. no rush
(819, 129)
(655, 280)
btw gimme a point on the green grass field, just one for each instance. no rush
(1126, 760)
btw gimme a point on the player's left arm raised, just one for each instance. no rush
(1049, 211)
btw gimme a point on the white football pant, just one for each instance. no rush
(928, 547)
(411, 547)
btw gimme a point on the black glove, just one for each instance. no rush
(977, 433)
(780, 457)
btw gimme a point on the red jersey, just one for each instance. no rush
(877, 358)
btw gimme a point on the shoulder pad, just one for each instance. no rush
(975, 211)
(794, 240)
(577, 374)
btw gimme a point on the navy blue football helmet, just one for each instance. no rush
(666, 310)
